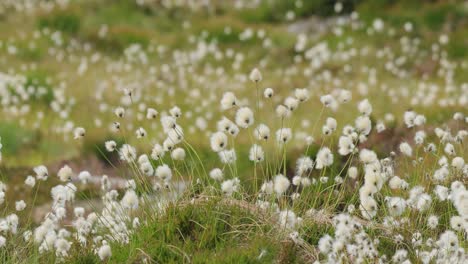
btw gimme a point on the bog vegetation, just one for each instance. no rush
(263, 131)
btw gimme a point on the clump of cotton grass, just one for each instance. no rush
(79, 132)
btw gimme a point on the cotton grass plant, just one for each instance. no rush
(333, 157)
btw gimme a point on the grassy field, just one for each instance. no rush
(375, 94)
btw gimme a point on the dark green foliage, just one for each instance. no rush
(14, 138)
(273, 11)
(67, 21)
(203, 233)
(120, 37)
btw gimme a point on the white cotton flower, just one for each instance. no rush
(378, 24)
(328, 100)
(228, 187)
(168, 123)
(406, 149)
(110, 145)
(65, 173)
(349, 131)
(136, 222)
(288, 219)
(130, 184)
(457, 223)
(104, 251)
(449, 149)
(30, 181)
(216, 174)
(331, 123)
(119, 112)
(306, 181)
(380, 127)
(368, 208)
(79, 132)
(79, 211)
(256, 153)
(267, 187)
(2, 241)
(262, 132)
(458, 116)
(115, 127)
(27, 235)
(281, 184)
(432, 221)
(228, 101)
(176, 135)
(178, 154)
(157, 152)
(127, 153)
(461, 134)
(396, 205)
(400, 256)
(326, 130)
(325, 244)
(324, 158)
(443, 161)
(345, 145)
(302, 94)
(430, 147)
(105, 183)
(227, 126)
(364, 107)
(227, 156)
(353, 172)
(268, 93)
(419, 137)
(422, 202)
(224, 124)
(304, 166)
(164, 173)
(151, 113)
(283, 135)
(143, 159)
(291, 103)
(441, 192)
(140, 132)
(363, 125)
(218, 141)
(130, 199)
(20, 205)
(323, 179)
(441, 174)
(147, 168)
(338, 180)
(458, 163)
(296, 180)
(244, 117)
(255, 75)
(419, 120)
(283, 111)
(397, 183)
(62, 246)
(344, 96)
(409, 117)
(84, 177)
(175, 112)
